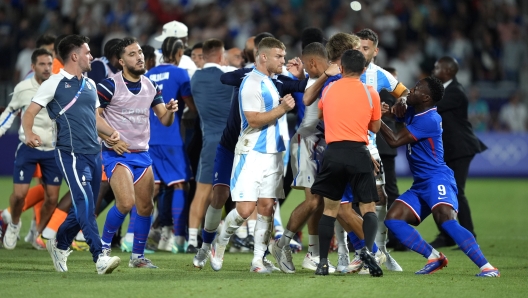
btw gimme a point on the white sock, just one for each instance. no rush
(33, 225)
(232, 222)
(193, 237)
(341, 237)
(242, 233)
(262, 235)
(213, 217)
(129, 237)
(137, 256)
(179, 240)
(381, 234)
(313, 245)
(486, 266)
(49, 233)
(434, 255)
(80, 237)
(251, 223)
(277, 220)
(206, 246)
(6, 216)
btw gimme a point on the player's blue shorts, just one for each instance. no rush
(207, 158)
(424, 196)
(26, 160)
(137, 163)
(170, 164)
(223, 164)
(348, 197)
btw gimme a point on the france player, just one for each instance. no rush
(258, 168)
(71, 100)
(169, 159)
(126, 99)
(434, 188)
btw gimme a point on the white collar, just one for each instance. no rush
(447, 83)
(223, 68)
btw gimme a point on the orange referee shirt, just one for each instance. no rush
(56, 66)
(347, 111)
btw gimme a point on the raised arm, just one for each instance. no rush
(234, 78)
(313, 92)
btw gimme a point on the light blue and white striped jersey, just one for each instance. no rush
(380, 79)
(259, 94)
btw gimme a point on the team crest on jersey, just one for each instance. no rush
(89, 86)
(66, 85)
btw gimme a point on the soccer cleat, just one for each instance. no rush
(80, 245)
(11, 235)
(59, 256)
(371, 262)
(354, 266)
(258, 266)
(141, 263)
(434, 265)
(342, 261)
(105, 263)
(248, 242)
(322, 268)
(41, 241)
(38, 245)
(269, 264)
(200, 259)
(489, 273)
(191, 249)
(217, 256)
(391, 263)
(127, 247)
(310, 262)
(283, 257)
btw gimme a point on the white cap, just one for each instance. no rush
(174, 28)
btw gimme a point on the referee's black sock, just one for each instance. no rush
(370, 227)
(326, 232)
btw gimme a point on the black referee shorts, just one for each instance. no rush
(346, 162)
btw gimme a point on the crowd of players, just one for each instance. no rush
(133, 149)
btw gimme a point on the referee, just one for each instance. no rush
(347, 160)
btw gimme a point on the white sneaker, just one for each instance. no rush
(11, 235)
(105, 263)
(259, 267)
(166, 239)
(217, 256)
(342, 261)
(200, 259)
(354, 266)
(6, 216)
(141, 263)
(283, 257)
(310, 262)
(269, 264)
(391, 263)
(59, 256)
(32, 233)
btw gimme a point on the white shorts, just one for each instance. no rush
(257, 175)
(306, 158)
(380, 178)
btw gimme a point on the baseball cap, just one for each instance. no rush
(174, 28)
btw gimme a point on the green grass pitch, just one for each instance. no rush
(499, 209)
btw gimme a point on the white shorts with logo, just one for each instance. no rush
(380, 178)
(257, 175)
(306, 159)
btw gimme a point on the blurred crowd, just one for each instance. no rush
(487, 37)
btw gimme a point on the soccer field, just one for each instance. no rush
(499, 209)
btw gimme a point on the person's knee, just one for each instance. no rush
(244, 210)
(220, 196)
(443, 213)
(382, 195)
(181, 186)
(367, 207)
(125, 205)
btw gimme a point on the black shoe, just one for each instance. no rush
(237, 241)
(322, 267)
(370, 261)
(249, 242)
(442, 241)
(191, 249)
